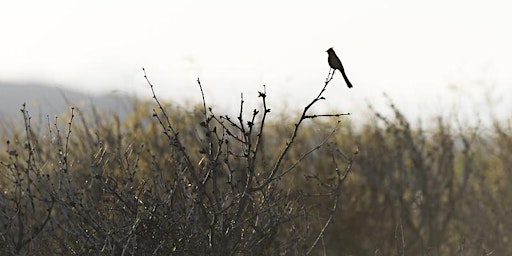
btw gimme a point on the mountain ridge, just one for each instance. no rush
(45, 100)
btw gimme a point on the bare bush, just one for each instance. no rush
(208, 185)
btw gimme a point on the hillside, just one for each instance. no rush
(44, 100)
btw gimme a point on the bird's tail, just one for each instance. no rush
(346, 79)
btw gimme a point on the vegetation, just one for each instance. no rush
(187, 181)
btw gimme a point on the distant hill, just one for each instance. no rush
(43, 100)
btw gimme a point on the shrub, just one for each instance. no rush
(188, 182)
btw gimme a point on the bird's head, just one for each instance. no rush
(330, 50)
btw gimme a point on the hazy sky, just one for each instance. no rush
(429, 56)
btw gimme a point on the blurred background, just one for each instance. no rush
(430, 58)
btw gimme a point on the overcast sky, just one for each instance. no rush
(429, 56)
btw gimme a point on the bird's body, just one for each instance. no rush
(335, 63)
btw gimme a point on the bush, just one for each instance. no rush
(207, 185)
(187, 181)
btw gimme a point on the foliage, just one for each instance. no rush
(187, 181)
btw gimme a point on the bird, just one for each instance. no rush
(335, 63)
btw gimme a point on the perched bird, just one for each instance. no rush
(335, 63)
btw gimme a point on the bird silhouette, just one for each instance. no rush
(335, 63)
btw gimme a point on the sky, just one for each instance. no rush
(428, 57)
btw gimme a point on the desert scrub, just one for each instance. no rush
(171, 180)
